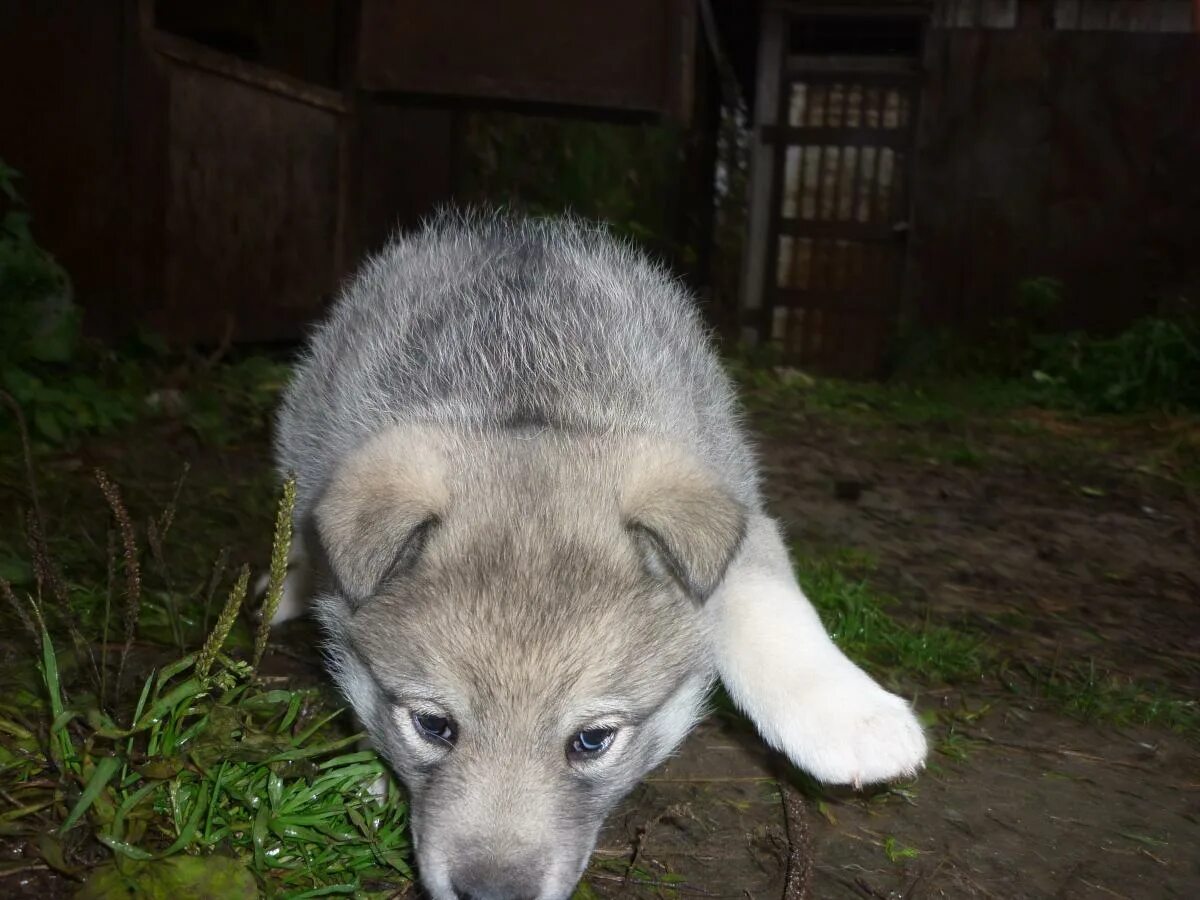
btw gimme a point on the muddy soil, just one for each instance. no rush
(1055, 545)
(1055, 553)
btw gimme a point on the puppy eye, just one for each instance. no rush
(435, 728)
(590, 743)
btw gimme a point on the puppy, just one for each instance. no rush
(531, 526)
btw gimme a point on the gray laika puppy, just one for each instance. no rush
(535, 536)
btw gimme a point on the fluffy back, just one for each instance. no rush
(492, 321)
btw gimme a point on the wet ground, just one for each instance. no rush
(1059, 545)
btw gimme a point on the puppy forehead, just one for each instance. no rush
(584, 642)
(530, 594)
(504, 647)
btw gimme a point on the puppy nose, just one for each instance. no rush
(497, 881)
(491, 894)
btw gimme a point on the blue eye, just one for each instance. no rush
(590, 742)
(435, 728)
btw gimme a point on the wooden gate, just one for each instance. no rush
(839, 209)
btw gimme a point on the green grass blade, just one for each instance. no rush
(293, 710)
(11, 815)
(128, 805)
(62, 720)
(186, 737)
(170, 671)
(350, 759)
(145, 695)
(189, 690)
(319, 750)
(258, 834)
(188, 833)
(124, 849)
(50, 674)
(327, 891)
(274, 790)
(303, 737)
(106, 767)
(60, 739)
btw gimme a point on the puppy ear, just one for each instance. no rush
(379, 506)
(684, 521)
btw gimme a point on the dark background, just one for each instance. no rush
(212, 170)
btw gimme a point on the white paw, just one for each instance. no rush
(850, 731)
(804, 695)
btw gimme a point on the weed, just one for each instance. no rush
(279, 564)
(1143, 839)
(231, 402)
(628, 873)
(213, 760)
(1153, 365)
(856, 617)
(944, 402)
(1094, 695)
(953, 745)
(41, 334)
(40, 321)
(209, 762)
(133, 578)
(897, 852)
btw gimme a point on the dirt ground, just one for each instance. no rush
(1050, 538)
(1055, 552)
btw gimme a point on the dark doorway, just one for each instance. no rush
(848, 95)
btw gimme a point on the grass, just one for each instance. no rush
(208, 771)
(975, 424)
(667, 884)
(972, 422)
(218, 417)
(857, 616)
(931, 402)
(1095, 695)
(209, 762)
(897, 852)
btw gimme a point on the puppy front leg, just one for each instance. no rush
(805, 696)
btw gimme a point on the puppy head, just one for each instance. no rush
(515, 620)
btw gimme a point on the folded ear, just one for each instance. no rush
(378, 507)
(684, 520)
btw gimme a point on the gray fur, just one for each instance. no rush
(520, 460)
(490, 321)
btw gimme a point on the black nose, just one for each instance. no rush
(515, 874)
(502, 889)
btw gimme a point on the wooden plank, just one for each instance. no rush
(756, 252)
(842, 137)
(189, 53)
(252, 208)
(998, 14)
(635, 56)
(1067, 14)
(865, 69)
